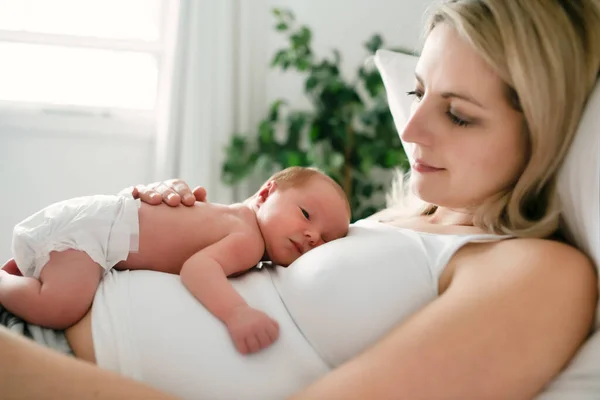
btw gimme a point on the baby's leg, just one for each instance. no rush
(61, 297)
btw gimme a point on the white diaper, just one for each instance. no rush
(105, 227)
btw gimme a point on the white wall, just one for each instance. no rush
(344, 25)
(38, 167)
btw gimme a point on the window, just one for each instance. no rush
(102, 58)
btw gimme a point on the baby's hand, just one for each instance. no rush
(251, 330)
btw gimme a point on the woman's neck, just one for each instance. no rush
(448, 216)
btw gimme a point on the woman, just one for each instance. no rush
(499, 92)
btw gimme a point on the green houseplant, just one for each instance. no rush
(349, 132)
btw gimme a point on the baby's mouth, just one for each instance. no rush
(297, 247)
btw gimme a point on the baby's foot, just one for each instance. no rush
(11, 267)
(3, 276)
(5, 284)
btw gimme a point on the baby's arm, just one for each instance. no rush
(205, 276)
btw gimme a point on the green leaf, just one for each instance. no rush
(301, 38)
(238, 163)
(374, 43)
(302, 64)
(282, 14)
(373, 82)
(392, 159)
(367, 190)
(281, 27)
(266, 133)
(311, 83)
(280, 58)
(293, 158)
(315, 132)
(296, 123)
(274, 109)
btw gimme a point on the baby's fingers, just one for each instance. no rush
(273, 330)
(253, 343)
(240, 344)
(264, 339)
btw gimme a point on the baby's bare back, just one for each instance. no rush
(170, 235)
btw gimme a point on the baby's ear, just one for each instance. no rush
(267, 190)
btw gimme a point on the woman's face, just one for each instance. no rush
(466, 140)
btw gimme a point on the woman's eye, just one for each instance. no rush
(457, 120)
(416, 93)
(305, 213)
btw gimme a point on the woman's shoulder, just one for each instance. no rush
(546, 249)
(531, 257)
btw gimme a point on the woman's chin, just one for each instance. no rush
(426, 192)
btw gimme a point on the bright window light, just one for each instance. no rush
(106, 54)
(77, 76)
(116, 19)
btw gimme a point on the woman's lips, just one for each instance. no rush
(423, 168)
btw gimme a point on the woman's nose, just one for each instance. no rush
(417, 128)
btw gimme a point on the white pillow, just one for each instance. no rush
(579, 193)
(579, 182)
(398, 74)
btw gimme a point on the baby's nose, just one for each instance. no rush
(315, 240)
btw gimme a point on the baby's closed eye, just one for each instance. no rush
(305, 213)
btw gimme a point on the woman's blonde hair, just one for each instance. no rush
(548, 54)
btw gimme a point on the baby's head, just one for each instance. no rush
(299, 209)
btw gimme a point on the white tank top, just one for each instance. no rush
(347, 295)
(331, 304)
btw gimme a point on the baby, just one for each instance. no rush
(63, 250)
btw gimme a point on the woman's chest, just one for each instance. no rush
(347, 294)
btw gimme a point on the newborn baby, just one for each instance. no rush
(64, 250)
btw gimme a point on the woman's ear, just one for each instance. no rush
(267, 190)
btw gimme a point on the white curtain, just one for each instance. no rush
(216, 89)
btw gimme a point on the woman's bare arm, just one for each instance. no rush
(506, 326)
(30, 371)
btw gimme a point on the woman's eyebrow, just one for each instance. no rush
(447, 95)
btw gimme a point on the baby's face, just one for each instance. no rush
(296, 220)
